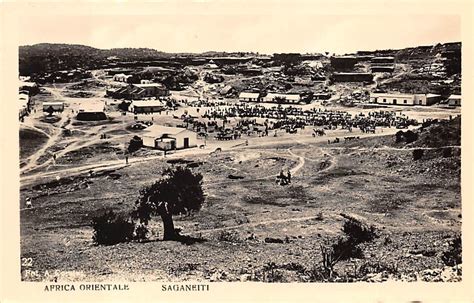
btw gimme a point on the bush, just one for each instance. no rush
(447, 152)
(111, 228)
(135, 144)
(408, 136)
(229, 236)
(357, 231)
(417, 154)
(124, 106)
(374, 267)
(346, 248)
(453, 256)
(272, 274)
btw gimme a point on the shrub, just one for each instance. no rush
(357, 231)
(453, 256)
(124, 106)
(410, 136)
(135, 144)
(229, 236)
(111, 228)
(399, 136)
(346, 248)
(272, 274)
(447, 152)
(417, 154)
(372, 267)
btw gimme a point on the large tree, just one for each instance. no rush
(179, 191)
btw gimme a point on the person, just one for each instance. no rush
(126, 158)
(289, 176)
(282, 175)
(28, 202)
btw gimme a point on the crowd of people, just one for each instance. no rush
(287, 118)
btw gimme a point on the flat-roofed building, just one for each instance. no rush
(169, 138)
(404, 99)
(121, 77)
(92, 112)
(249, 97)
(146, 106)
(282, 98)
(454, 100)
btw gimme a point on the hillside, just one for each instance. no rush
(49, 57)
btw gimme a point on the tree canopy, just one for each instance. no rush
(178, 192)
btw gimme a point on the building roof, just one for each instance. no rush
(121, 75)
(455, 97)
(226, 89)
(432, 95)
(386, 58)
(53, 103)
(92, 107)
(249, 95)
(147, 103)
(130, 89)
(160, 130)
(149, 85)
(27, 84)
(389, 95)
(22, 96)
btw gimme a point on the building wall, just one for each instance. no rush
(454, 102)
(249, 99)
(417, 99)
(192, 137)
(146, 109)
(154, 91)
(394, 100)
(149, 140)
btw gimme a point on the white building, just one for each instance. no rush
(404, 99)
(454, 100)
(169, 138)
(251, 97)
(121, 77)
(283, 98)
(92, 112)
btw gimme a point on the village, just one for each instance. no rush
(282, 140)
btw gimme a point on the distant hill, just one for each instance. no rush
(50, 57)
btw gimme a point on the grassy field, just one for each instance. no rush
(415, 207)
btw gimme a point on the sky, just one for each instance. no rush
(263, 33)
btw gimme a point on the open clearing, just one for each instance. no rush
(413, 208)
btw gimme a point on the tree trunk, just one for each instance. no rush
(169, 233)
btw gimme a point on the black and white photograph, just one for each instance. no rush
(239, 147)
